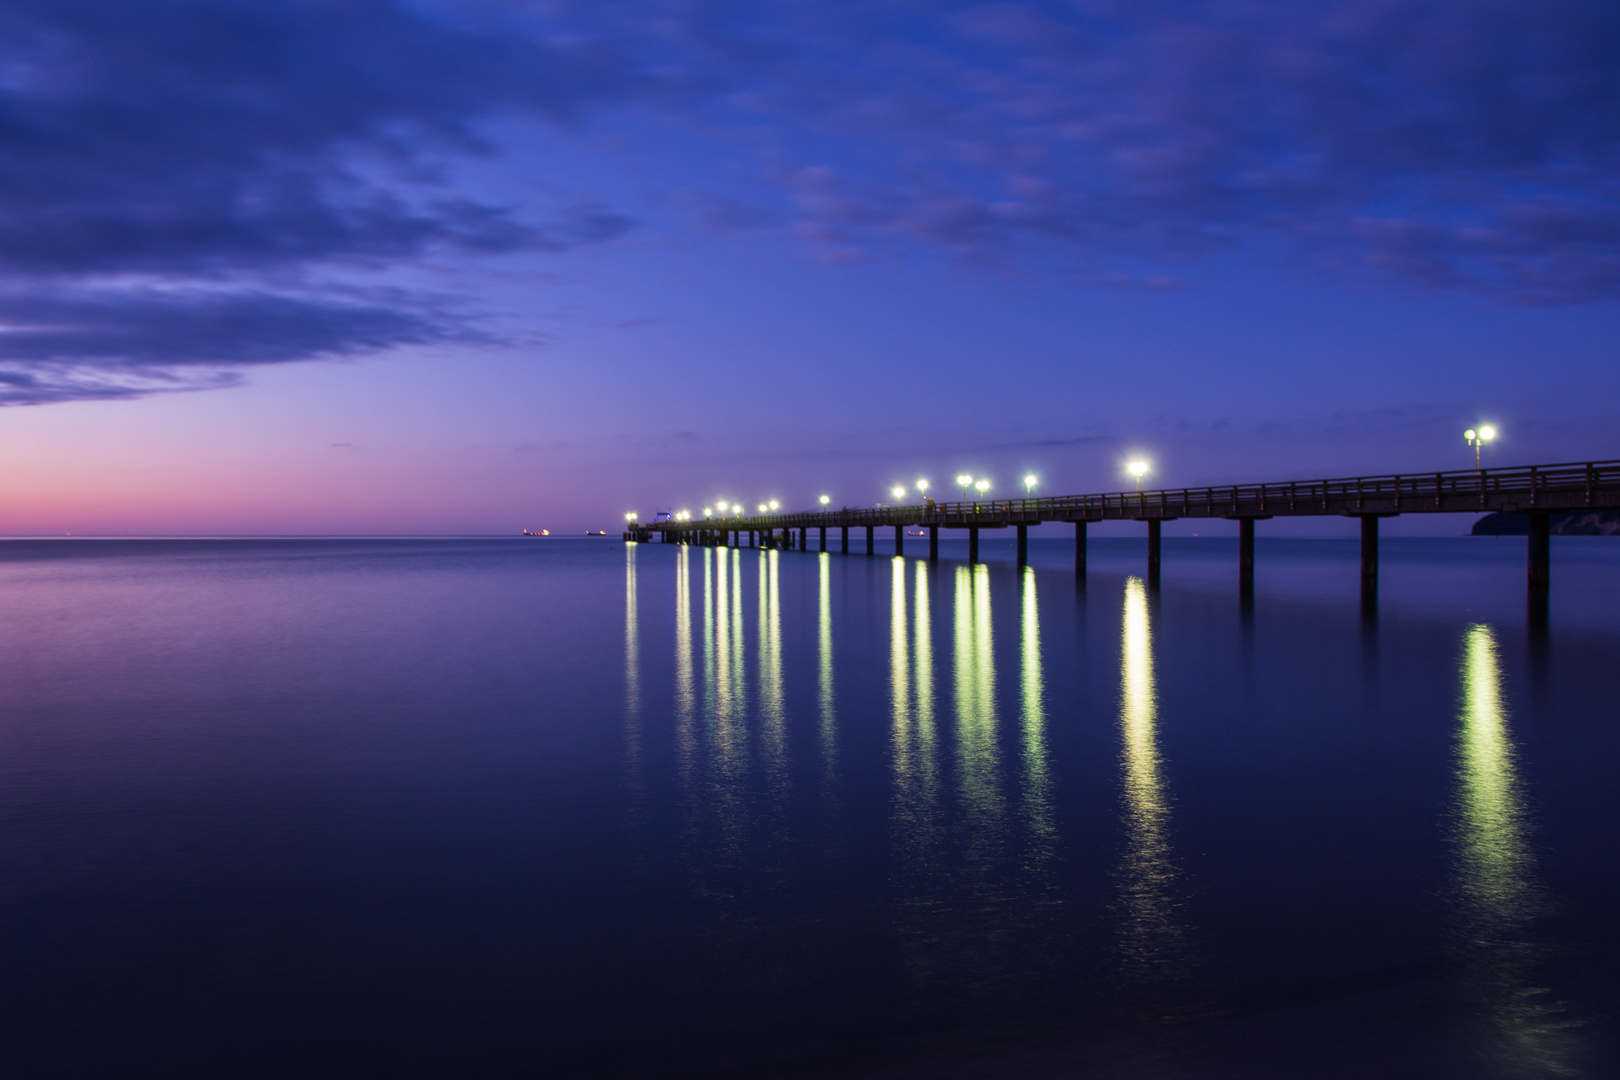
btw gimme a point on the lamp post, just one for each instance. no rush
(1479, 438)
(964, 482)
(1138, 469)
(825, 499)
(981, 486)
(1029, 485)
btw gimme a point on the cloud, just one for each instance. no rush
(1459, 144)
(174, 169)
(105, 343)
(167, 170)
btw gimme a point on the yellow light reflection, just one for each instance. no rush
(1151, 935)
(978, 757)
(685, 695)
(915, 822)
(1495, 857)
(1495, 879)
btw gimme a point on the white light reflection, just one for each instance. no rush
(772, 714)
(1037, 770)
(1151, 935)
(824, 641)
(632, 672)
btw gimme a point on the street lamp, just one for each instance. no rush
(762, 508)
(825, 499)
(1478, 439)
(707, 512)
(775, 505)
(922, 486)
(631, 516)
(1138, 469)
(898, 491)
(964, 482)
(981, 486)
(1029, 484)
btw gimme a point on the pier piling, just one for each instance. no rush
(1540, 551)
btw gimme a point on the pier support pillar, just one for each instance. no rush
(1540, 551)
(973, 544)
(870, 549)
(1080, 549)
(843, 540)
(1155, 527)
(1369, 550)
(1246, 555)
(1023, 545)
(824, 538)
(804, 542)
(933, 543)
(753, 538)
(899, 541)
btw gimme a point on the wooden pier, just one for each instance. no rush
(1537, 491)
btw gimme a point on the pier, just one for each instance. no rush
(1537, 491)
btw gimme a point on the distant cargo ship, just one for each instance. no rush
(542, 532)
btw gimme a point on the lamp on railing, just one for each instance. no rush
(1479, 438)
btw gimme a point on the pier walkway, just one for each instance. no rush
(1537, 491)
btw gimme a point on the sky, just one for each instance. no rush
(375, 267)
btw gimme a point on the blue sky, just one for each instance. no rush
(382, 267)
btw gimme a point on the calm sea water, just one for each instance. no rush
(552, 808)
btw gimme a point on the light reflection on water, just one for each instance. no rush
(437, 796)
(949, 828)
(1151, 936)
(1495, 874)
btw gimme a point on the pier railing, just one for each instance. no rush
(1527, 489)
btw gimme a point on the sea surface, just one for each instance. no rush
(552, 808)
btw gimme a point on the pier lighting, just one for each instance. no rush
(762, 508)
(1029, 483)
(898, 491)
(825, 499)
(1137, 469)
(964, 482)
(775, 505)
(922, 485)
(708, 512)
(722, 507)
(1479, 438)
(631, 516)
(981, 486)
